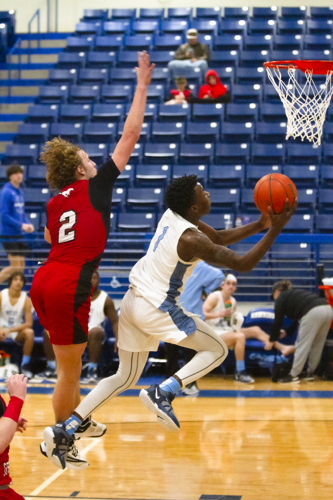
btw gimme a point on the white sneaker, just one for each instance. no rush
(191, 390)
(90, 429)
(74, 460)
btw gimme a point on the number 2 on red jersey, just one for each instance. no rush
(68, 220)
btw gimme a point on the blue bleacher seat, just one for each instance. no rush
(237, 132)
(193, 153)
(74, 113)
(34, 218)
(62, 76)
(293, 13)
(285, 55)
(324, 223)
(317, 42)
(270, 94)
(226, 176)
(127, 59)
(328, 153)
(272, 112)
(256, 172)
(290, 27)
(160, 75)
(162, 57)
(258, 42)
(52, 94)
(21, 153)
(3, 175)
(201, 171)
(230, 154)
(326, 175)
(288, 42)
(304, 154)
(307, 200)
(102, 60)
(71, 60)
(150, 111)
(321, 13)
(92, 76)
(108, 43)
(252, 58)
(136, 155)
(319, 27)
(303, 176)
(88, 28)
(180, 13)
(174, 27)
(99, 132)
(271, 132)
(168, 42)
(224, 58)
(264, 12)
(42, 113)
(149, 27)
(36, 176)
(116, 94)
(242, 112)
(98, 153)
(228, 42)
(118, 198)
(209, 27)
(116, 27)
(36, 198)
(123, 75)
(68, 131)
(173, 113)
(323, 55)
(145, 198)
(151, 13)
(32, 133)
(138, 42)
(293, 261)
(126, 178)
(167, 132)
(219, 221)
(325, 200)
(123, 14)
(202, 132)
(328, 130)
(160, 153)
(232, 27)
(262, 27)
(79, 43)
(83, 94)
(137, 222)
(208, 13)
(224, 200)
(247, 93)
(250, 75)
(236, 13)
(152, 175)
(247, 201)
(268, 153)
(155, 93)
(207, 112)
(144, 133)
(95, 14)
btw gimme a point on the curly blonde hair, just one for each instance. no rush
(61, 159)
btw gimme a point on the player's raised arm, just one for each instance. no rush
(133, 124)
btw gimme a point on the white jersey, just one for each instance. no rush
(160, 275)
(11, 315)
(97, 315)
(220, 306)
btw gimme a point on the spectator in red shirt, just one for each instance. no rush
(213, 89)
(181, 94)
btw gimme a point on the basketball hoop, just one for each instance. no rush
(305, 105)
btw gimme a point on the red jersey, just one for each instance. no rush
(78, 219)
(4, 456)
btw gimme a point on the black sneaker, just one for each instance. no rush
(90, 428)
(25, 370)
(289, 379)
(50, 375)
(244, 378)
(58, 444)
(159, 402)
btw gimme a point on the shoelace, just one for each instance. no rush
(74, 451)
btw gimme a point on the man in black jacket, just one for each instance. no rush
(314, 316)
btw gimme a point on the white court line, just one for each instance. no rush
(59, 472)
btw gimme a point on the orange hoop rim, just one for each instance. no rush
(316, 67)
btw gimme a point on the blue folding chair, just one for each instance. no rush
(304, 176)
(118, 198)
(167, 132)
(184, 13)
(293, 13)
(160, 75)
(21, 153)
(121, 14)
(319, 27)
(197, 132)
(307, 200)
(326, 176)
(67, 131)
(155, 93)
(174, 113)
(168, 42)
(250, 76)
(101, 60)
(317, 42)
(144, 132)
(271, 132)
(237, 132)
(224, 200)
(208, 112)
(320, 13)
(98, 153)
(232, 154)
(328, 131)
(151, 13)
(304, 154)
(148, 27)
(237, 13)
(99, 132)
(291, 27)
(108, 43)
(209, 27)
(325, 201)
(32, 133)
(231, 176)
(252, 58)
(131, 222)
(293, 261)
(145, 199)
(242, 112)
(83, 94)
(174, 27)
(88, 28)
(224, 58)
(127, 59)
(161, 58)
(79, 43)
(324, 223)
(117, 27)
(219, 221)
(247, 201)
(228, 42)
(288, 42)
(36, 198)
(208, 13)
(136, 155)
(270, 95)
(92, 76)
(194, 153)
(95, 15)
(62, 76)
(74, 113)
(247, 93)
(262, 27)
(41, 113)
(153, 175)
(264, 13)
(150, 114)
(159, 153)
(258, 42)
(272, 112)
(138, 42)
(122, 76)
(52, 94)
(126, 178)
(36, 176)
(266, 154)
(328, 153)
(256, 172)
(227, 27)
(116, 94)
(285, 55)
(71, 60)
(201, 171)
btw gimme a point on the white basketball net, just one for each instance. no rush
(305, 105)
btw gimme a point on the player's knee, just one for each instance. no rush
(240, 337)
(96, 335)
(29, 334)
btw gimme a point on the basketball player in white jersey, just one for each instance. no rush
(227, 323)
(150, 312)
(16, 318)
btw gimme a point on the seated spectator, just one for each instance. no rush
(214, 90)
(314, 317)
(181, 94)
(191, 54)
(220, 312)
(16, 318)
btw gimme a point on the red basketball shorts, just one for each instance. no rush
(61, 296)
(9, 494)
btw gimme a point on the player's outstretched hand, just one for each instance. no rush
(17, 386)
(145, 69)
(265, 221)
(21, 425)
(278, 221)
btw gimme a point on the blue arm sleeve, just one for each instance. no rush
(5, 212)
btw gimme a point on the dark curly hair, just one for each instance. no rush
(17, 273)
(180, 194)
(61, 159)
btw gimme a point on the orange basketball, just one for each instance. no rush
(272, 190)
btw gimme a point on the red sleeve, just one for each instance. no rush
(202, 91)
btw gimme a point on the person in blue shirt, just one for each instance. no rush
(204, 280)
(13, 222)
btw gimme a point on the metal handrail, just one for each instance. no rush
(36, 14)
(11, 52)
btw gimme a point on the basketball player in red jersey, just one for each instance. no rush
(10, 422)
(78, 223)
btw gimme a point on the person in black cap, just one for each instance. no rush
(191, 54)
(13, 222)
(314, 317)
